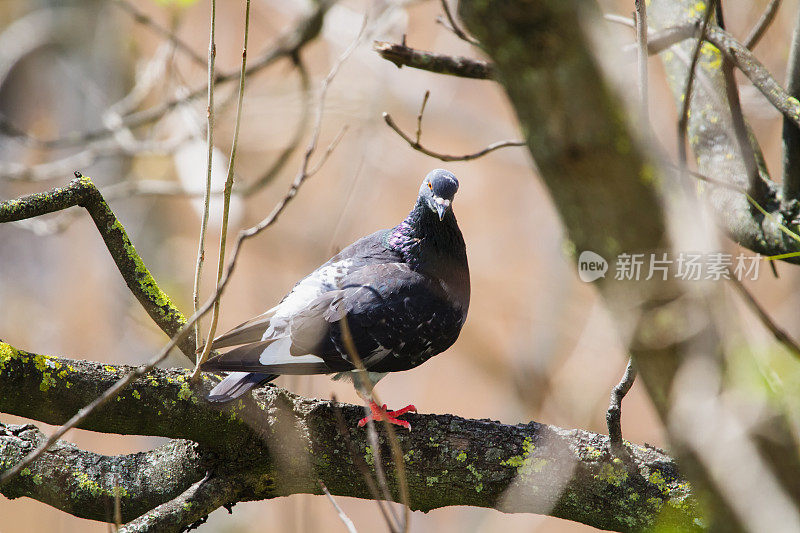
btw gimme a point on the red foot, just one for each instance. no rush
(380, 413)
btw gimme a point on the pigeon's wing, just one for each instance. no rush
(251, 331)
(395, 317)
(266, 344)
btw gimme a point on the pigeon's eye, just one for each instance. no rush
(430, 185)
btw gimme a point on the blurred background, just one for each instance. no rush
(537, 345)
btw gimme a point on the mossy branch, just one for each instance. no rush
(283, 444)
(82, 192)
(85, 484)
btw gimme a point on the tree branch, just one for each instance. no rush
(415, 144)
(82, 192)
(192, 506)
(464, 67)
(283, 444)
(85, 484)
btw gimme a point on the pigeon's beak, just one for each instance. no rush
(442, 206)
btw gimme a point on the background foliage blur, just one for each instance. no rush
(537, 345)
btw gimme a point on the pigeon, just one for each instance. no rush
(391, 300)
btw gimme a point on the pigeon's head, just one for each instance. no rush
(437, 191)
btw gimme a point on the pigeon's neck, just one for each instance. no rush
(423, 240)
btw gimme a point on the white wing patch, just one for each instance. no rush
(277, 353)
(325, 279)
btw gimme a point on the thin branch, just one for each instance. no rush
(757, 188)
(614, 413)
(419, 116)
(444, 157)
(762, 25)
(661, 40)
(342, 515)
(227, 193)
(779, 333)
(758, 75)
(141, 17)
(687, 93)
(201, 245)
(82, 192)
(464, 67)
(641, 39)
(791, 131)
(455, 27)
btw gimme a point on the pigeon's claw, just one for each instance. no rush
(380, 413)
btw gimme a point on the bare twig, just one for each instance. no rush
(227, 193)
(201, 245)
(141, 17)
(443, 157)
(779, 333)
(419, 117)
(758, 189)
(455, 27)
(342, 515)
(687, 93)
(614, 413)
(464, 67)
(791, 131)
(641, 39)
(758, 75)
(763, 24)
(659, 41)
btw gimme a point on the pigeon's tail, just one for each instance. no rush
(236, 384)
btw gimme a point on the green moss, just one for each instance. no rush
(613, 473)
(7, 353)
(475, 472)
(47, 382)
(461, 457)
(136, 394)
(658, 480)
(147, 284)
(185, 393)
(408, 457)
(524, 460)
(369, 457)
